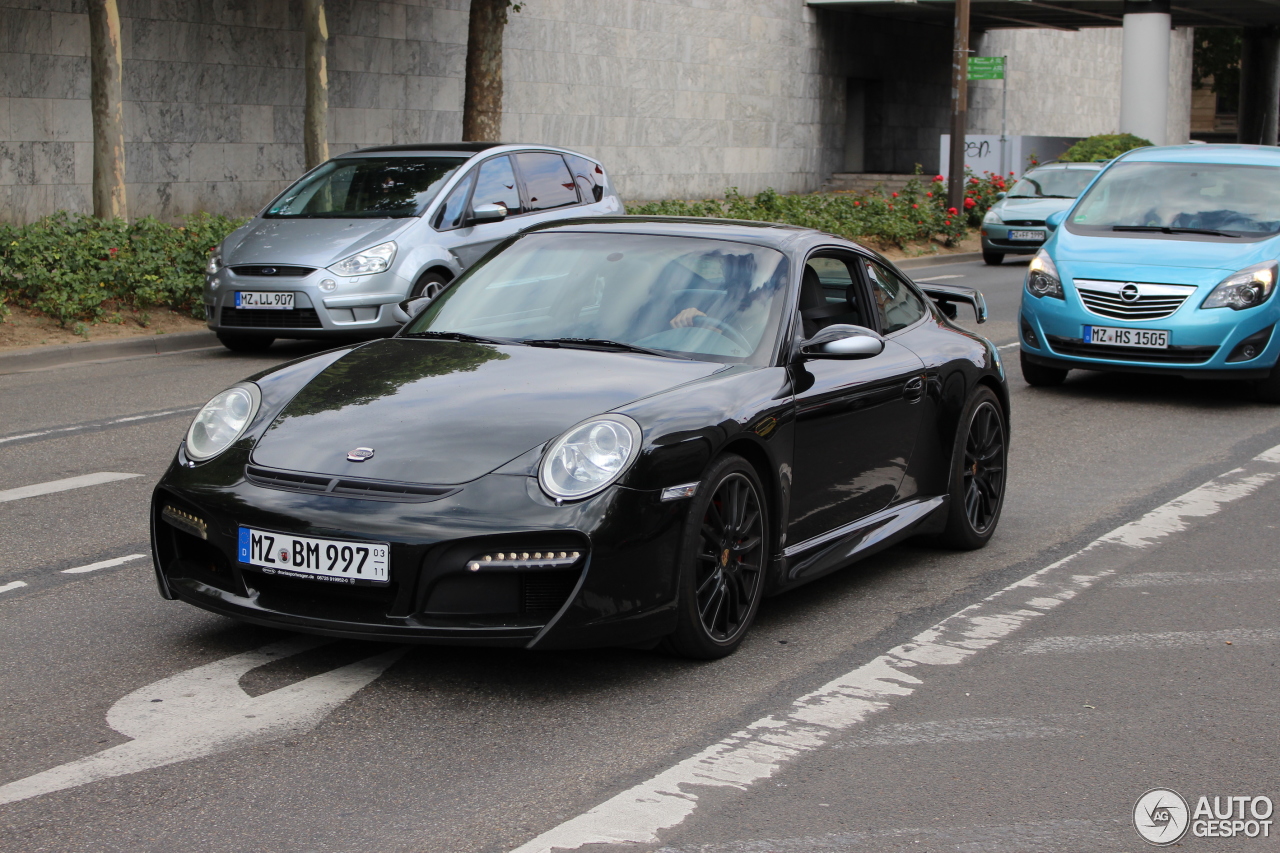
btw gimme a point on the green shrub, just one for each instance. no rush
(72, 266)
(1104, 146)
(917, 212)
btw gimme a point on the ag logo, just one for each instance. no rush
(1161, 816)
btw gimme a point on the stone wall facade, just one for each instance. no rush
(1068, 83)
(679, 98)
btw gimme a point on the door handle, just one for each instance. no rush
(913, 390)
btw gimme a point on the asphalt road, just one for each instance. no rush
(134, 724)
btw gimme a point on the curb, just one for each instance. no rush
(937, 260)
(39, 358)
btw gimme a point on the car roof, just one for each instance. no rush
(463, 149)
(1095, 165)
(1245, 155)
(772, 234)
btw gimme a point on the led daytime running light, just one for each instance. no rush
(524, 560)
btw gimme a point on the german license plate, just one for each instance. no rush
(1026, 235)
(274, 300)
(330, 560)
(1109, 336)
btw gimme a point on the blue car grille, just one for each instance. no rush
(1152, 302)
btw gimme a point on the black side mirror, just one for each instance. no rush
(842, 341)
(488, 213)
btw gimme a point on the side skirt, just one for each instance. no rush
(813, 558)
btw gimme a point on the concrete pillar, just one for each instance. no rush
(1259, 85)
(1144, 74)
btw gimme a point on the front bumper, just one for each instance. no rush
(360, 306)
(622, 591)
(995, 238)
(1203, 343)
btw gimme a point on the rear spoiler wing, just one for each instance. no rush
(947, 295)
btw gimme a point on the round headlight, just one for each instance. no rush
(589, 457)
(222, 420)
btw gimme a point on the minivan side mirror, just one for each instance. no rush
(842, 341)
(1053, 220)
(488, 213)
(410, 308)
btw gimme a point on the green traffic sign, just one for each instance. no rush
(986, 68)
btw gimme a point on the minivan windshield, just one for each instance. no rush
(707, 299)
(1053, 183)
(366, 188)
(1193, 199)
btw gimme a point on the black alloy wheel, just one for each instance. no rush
(1039, 376)
(245, 343)
(428, 285)
(978, 473)
(724, 556)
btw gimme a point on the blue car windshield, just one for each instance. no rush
(1186, 200)
(1053, 183)
(366, 188)
(707, 299)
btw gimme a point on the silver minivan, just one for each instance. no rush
(336, 252)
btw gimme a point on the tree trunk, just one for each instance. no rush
(108, 111)
(316, 123)
(959, 107)
(482, 103)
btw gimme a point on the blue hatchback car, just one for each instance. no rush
(1167, 263)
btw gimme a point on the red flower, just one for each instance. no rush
(914, 206)
(970, 204)
(952, 211)
(948, 221)
(895, 195)
(973, 180)
(939, 179)
(113, 251)
(929, 195)
(857, 204)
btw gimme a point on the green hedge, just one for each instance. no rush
(1104, 146)
(75, 268)
(917, 212)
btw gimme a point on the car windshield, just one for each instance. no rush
(707, 299)
(1053, 183)
(366, 188)
(1230, 199)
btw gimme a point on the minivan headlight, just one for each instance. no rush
(222, 420)
(377, 259)
(214, 263)
(1042, 276)
(1248, 288)
(589, 457)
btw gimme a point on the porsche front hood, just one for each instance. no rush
(446, 412)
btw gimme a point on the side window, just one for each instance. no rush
(898, 305)
(588, 176)
(830, 294)
(496, 184)
(547, 180)
(451, 212)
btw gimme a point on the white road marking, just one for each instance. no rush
(12, 586)
(204, 711)
(1154, 640)
(968, 730)
(104, 564)
(1008, 346)
(63, 485)
(762, 748)
(938, 277)
(1188, 578)
(98, 424)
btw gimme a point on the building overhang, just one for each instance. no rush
(1062, 14)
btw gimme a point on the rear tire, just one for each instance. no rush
(724, 553)
(245, 343)
(978, 469)
(429, 285)
(1039, 376)
(992, 259)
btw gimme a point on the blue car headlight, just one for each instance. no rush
(1042, 277)
(1245, 289)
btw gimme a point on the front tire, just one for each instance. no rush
(245, 343)
(723, 556)
(1039, 376)
(978, 461)
(429, 285)
(992, 259)
(1268, 390)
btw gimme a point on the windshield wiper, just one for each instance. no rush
(1041, 196)
(460, 336)
(599, 343)
(1165, 229)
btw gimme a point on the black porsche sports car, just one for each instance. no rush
(608, 432)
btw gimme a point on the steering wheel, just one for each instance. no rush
(725, 329)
